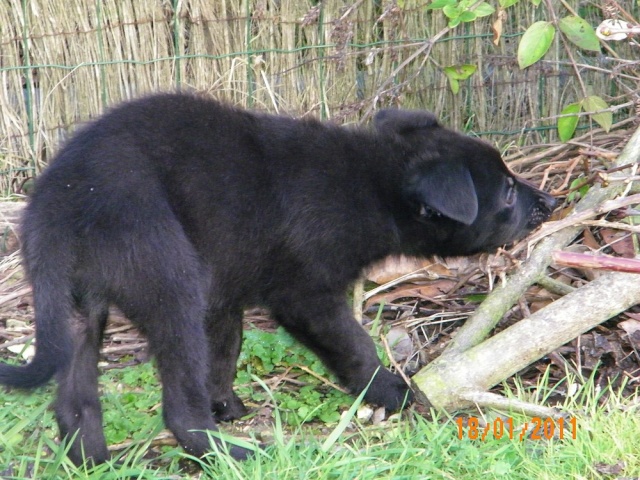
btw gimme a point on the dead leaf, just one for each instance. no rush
(364, 413)
(378, 416)
(619, 241)
(27, 352)
(14, 325)
(400, 343)
(590, 240)
(630, 326)
(496, 27)
(424, 292)
(539, 305)
(609, 469)
(394, 267)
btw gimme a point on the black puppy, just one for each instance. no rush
(182, 211)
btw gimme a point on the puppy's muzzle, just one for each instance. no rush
(542, 209)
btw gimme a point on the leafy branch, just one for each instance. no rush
(571, 29)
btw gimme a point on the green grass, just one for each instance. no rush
(302, 445)
(408, 447)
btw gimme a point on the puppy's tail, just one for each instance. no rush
(49, 259)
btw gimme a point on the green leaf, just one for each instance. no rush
(475, 297)
(440, 4)
(454, 85)
(458, 72)
(576, 191)
(507, 3)
(501, 468)
(579, 32)
(454, 22)
(483, 10)
(595, 103)
(468, 16)
(535, 2)
(535, 43)
(451, 11)
(567, 125)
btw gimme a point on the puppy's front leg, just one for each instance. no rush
(224, 333)
(324, 324)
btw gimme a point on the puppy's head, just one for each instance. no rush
(460, 196)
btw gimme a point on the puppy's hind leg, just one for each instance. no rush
(77, 405)
(165, 295)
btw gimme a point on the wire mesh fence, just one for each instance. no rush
(62, 63)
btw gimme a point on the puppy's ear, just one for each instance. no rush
(393, 120)
(444, 188)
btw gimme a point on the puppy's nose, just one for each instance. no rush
(549, 201)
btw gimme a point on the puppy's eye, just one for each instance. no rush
(512, 193)
(428, 213)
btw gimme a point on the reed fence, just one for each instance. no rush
(64, 62)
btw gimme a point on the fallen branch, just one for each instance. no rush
(449, 383)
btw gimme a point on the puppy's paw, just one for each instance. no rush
(389, 391)
(241, 454)
(228, 409)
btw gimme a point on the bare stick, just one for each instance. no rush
(598, 262)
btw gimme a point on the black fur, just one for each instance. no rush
(182, 211)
